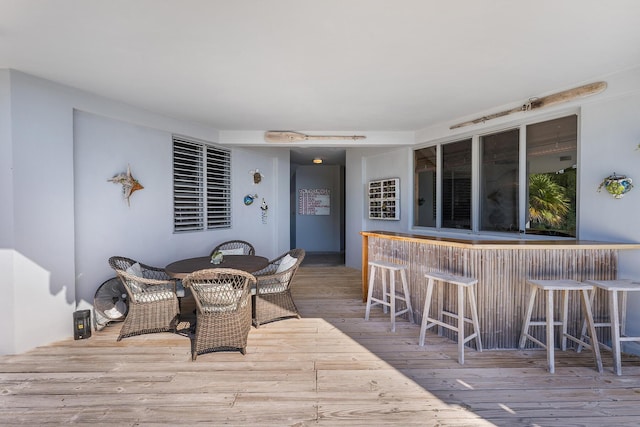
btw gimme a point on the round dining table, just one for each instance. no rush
(249, 263)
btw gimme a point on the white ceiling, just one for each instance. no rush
(375, 65)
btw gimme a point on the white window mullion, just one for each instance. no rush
(523, 193)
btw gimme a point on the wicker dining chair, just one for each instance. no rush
(272, 296)
(223, 309)
(153, 302)
(234, 247)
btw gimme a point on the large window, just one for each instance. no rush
(456, 185)
(499, 181)
(552, 152)
(201, 186)
(525, 181)
(426, 161)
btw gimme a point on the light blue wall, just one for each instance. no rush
(610, 139)
(362, 166)
(7, 302)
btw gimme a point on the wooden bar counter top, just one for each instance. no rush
(502, 268)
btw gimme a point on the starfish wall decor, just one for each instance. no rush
(129, 183)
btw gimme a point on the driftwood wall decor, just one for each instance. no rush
(545, 101)
(288, 136)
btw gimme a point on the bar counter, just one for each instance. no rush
(502, 268)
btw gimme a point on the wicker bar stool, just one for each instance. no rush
(393, 294)
(463, 285)
(617, 316)
(565, 286)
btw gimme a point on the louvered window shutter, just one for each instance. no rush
(201, 185)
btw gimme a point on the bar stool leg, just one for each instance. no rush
(439, 286)
(384, 289)
(550, 333)
(595, 347)
(615, 331)
(565, 319)
(392, 297)
(460, 325)
(370, 292)
(527, 317)
(583, 333)
(405, 289)
(623, 319)
(425, 311)
(474, 317)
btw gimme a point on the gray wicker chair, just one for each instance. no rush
(223, 309)
(272, 296)
(153, 302)
(235, 245)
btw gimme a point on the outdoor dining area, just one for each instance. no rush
(220, 296)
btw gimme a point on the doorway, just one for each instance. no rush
(317, 200)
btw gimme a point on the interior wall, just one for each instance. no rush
(354, 206)
(611, 143)
(362, 166)
(320, 233)
(384, 165)
(42, 203)
(7, 302)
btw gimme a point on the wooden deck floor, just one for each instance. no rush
(328, 368)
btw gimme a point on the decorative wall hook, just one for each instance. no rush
(129, 183)
(265, 209)
(616, 185)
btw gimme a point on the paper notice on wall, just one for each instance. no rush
(314, 201)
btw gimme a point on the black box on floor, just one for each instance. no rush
(81, 324)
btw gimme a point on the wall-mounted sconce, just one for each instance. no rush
(317, 160)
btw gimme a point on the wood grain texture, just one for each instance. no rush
(329, 368)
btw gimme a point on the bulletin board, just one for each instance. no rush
(314, 201)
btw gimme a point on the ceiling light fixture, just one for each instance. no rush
(317, 160)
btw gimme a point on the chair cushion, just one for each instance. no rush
(286, 263)
(237, 251)
(180, 289)
(135, 270)
(224, 298)
(154, 296)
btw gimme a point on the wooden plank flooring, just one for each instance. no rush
(328, 368)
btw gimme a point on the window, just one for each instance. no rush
(513, 190)
(201, 186)
(552, 152)
(425, 186)
(499, 181)
(456, 185)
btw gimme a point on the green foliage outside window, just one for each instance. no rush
(552, 204)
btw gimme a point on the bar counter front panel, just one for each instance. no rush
(502, 268)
